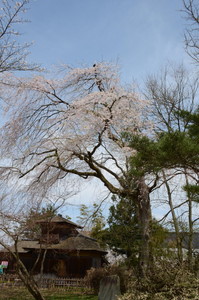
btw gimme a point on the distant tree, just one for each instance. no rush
(99, 224)
(92, 219)
(191, 9)
(13, 55)
(84, 217)
(31, 228)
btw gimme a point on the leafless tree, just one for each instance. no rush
(18, 224)
(13, 55)
(191, 9)
(173, 89)
(171, 92)
(12, 229)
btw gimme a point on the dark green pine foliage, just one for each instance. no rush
(167, 150)
(192, 154)
(193, 192)
(192, 120)
(145, 161)
(122, 232)
(177, 149)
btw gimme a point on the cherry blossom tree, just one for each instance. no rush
(76, 125)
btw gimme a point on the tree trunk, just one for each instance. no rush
(175, 221)
(42, 264)
(190, 222)
(26, 278)
(144, 219)
(30, 284)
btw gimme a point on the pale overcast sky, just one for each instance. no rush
(142, 35)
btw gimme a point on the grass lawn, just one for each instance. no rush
(15, 293)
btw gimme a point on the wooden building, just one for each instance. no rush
(61, 250)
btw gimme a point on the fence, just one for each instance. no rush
(63, 283)
(55, 283)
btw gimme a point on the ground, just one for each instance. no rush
(7, 293)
